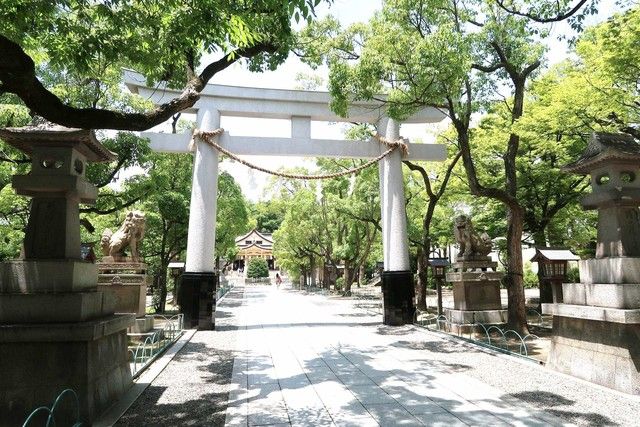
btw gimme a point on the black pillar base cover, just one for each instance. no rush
(197, 299)
(397, 297)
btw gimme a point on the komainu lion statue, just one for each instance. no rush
(471, 244)
(129, 235)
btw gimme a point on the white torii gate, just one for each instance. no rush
(301, 108)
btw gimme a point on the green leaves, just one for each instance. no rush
(232, 218)
(166, 40)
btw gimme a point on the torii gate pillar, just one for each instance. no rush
(397, 278)
(199, 281)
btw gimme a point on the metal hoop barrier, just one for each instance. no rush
(540, 320)
(485, 331)
(501, 332)
(51, 420)
(512, 332)
(156, 343)
(499, 343)
(532, 336)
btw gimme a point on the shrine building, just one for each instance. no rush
(254, 245)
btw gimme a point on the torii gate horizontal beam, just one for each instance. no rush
(295, 147)
(274, 103)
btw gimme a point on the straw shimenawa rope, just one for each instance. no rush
(209, 138)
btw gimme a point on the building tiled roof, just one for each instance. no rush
(602, 147)
(253, 236)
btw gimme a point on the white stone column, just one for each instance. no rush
(392, 203)
(201, 240)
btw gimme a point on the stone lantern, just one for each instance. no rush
(439, 272)
(438, 267)
(552, 264)
(612, 162)
(597, 324)
(176, 268)
(56, 330)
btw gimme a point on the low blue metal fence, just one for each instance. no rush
(50, 413)
(504, 340)
(153, 345)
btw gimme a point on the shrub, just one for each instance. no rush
(573, 275)
(257, 268)
(530, 278)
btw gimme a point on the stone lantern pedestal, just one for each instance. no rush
(127, 282)
(596, 327)
(56, 330)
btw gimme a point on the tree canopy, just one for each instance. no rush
(466, 59)
(182, 43)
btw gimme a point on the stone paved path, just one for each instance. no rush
(310, 362)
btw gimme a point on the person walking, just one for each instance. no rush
(278, 279)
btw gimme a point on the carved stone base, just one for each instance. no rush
(127, 282)
(128, 298)
(476, 286)
(481, 295)
(39, 361)
(398, 293)
(604, 353)
(469, 317)
(474, 258)
(142, 325)
(47, 276)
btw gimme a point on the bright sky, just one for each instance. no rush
(347, 11)
(253, 183)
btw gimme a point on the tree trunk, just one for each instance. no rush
(514, 278)
(312, 263)
(348, 279)
(423, 272)
(162, 289)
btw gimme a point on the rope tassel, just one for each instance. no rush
(209, 137)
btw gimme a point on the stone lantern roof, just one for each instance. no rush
(603, 148)
(554, 254)
(84, 140)
(439, 262)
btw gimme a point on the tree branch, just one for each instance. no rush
(18, 76)
(93, 209)
(425, 176)
(559, 17)
(488, 68)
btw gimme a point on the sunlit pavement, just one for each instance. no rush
(313, 360)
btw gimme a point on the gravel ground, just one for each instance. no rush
(193, 389)
(576, 401)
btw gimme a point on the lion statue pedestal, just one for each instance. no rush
(125, 276)
(476, 283)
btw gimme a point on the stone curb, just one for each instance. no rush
(118, 409)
